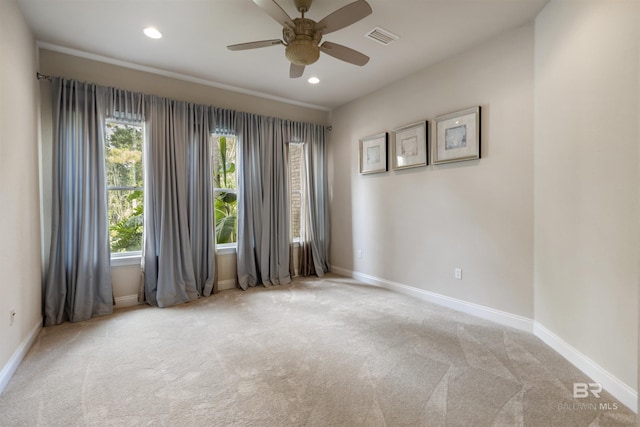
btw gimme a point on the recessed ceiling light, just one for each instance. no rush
(314, 80)
(152, 33)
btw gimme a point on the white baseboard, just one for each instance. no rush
(132, 300)
(126, 301)
(613, 385)
(610, 383)
(484, 312)
(12, 365)
(224, 285)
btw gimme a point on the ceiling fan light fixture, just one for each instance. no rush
(302, 5)
(302, 51)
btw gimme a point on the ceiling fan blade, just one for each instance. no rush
(276, 12)
(254, 45)
(344, 53)
(343, 17)
(296, 71)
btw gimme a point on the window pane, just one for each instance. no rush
(295, 175)
(225, 183)
(224, 162)
(123, 153)
(125, 220)
(226, 205)
(296, 203)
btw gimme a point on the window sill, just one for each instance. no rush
(124, 259)
(226, 248)
(134, 258)
(231, 248)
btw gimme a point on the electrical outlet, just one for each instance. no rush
(458, 273)
(359, 254)
(12, 317)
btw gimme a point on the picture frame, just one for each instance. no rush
(373, 153)
(456, 136)
(409, 148)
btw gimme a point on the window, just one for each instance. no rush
(225, 189)
(123, 158)
(295, 176)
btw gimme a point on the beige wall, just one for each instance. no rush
(20, 271)
(586, 179)
(415, 226)
(126, 278)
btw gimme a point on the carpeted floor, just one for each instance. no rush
(317, 352)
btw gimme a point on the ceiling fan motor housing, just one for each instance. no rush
(302, 43)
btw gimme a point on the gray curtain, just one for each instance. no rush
(179, 180)
(179, 247)
(263, 214)
(78, 279)
(200, 199)
(178, 257)
(315, 232)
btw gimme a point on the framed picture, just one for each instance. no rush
(373, 153)
(457, 136)
(410, 146)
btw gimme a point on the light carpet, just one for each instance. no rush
(317, 352)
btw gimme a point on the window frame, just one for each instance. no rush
(222, 248)
(128, 257)
(300, 192)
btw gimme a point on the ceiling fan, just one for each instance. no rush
(302, 36)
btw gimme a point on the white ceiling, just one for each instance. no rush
(196, 33)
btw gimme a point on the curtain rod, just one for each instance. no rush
(41, 76)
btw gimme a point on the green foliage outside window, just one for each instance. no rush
(226, 199)
(126, 232)
(123, 152)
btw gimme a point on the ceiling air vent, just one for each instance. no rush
(381, 36)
